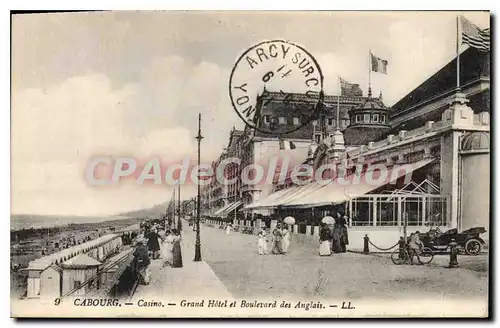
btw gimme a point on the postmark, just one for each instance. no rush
(282, 71)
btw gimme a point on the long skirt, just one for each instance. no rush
(262, 246)
(177, 256)
(343, 248)
(325, 248)
(166, 253)
(286, 244)
(277, 248)
(336, 247)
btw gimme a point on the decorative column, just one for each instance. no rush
(458, 116)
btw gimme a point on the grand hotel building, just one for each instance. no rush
(442, 133)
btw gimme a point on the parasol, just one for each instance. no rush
(328, 220)
(289, 220)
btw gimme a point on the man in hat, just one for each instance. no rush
(344, 238)
(142, 260)
(153, 243)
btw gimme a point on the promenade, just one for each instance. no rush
(193, 280)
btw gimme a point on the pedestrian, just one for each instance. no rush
(344, 238)
(277, 241)
(285, 238)
(176, 250)
(179, 225)
(228, 229)
(325, 236)
(262, 241)
(153, 244)
(415, 246)
(167, 247)
(142, 261)
(336, 247)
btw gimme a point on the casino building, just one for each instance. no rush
(440, 135)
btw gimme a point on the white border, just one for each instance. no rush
(185, 5)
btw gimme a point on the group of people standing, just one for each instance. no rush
(157, 243)
(333, 238)
(280, 240)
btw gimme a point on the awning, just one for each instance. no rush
(338, 192)
(220, 210)
(271, 198)
(299, 193)
(226, 209)
(283, 196)
(231, 208)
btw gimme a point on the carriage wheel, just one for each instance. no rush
(473, 247)
(400, 256)
(426, 255)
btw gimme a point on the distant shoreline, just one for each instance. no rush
(20, 221)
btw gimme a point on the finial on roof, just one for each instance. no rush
(369, 92)
(380, 96)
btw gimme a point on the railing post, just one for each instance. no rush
(366, 248)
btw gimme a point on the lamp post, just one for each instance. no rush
(197, 248)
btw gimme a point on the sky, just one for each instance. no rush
(133, 83)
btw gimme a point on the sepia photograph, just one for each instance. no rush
(250, 164)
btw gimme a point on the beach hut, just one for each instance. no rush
(51, 282)
(78, 275)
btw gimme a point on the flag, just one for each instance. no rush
(286, 145)
(474, 36)
(378, 64)
(350, 89)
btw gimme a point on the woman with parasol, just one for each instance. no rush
(325, 236)
(327, 233)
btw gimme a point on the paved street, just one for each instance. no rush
(233, 269)
(302, 273)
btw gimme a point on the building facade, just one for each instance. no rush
(439, 133)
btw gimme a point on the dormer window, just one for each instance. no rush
(358, 118)
(330, 121)
(266, 119)
(281, 120)
(366, 118)
(296, 121)
(382, 118)
(375, 118)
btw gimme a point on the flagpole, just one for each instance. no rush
(458, 53)
(369, 71)
(338, 104)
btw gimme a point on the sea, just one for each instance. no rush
(20, 221)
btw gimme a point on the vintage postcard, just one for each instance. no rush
(250, 164)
